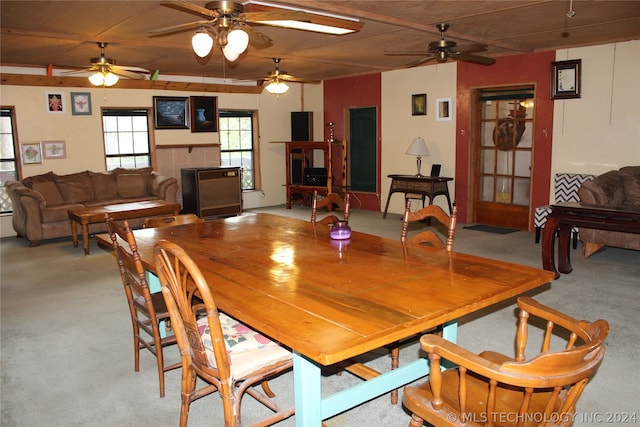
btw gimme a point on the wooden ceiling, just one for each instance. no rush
(64, 33)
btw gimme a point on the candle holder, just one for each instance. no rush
(340, 231)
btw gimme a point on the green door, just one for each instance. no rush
(363, 149)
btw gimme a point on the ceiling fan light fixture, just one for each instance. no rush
(202, 42)
(229, 53)
(102, 78)
(237, 41)
(276, 87)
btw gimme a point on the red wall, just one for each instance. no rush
(509, 70)
(354, 92)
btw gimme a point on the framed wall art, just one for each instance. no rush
(31, 153)
(419, 104)
(80, 103)
(565, 79)
(55, 102)
(204, 113)
(54, 150)
(444, 109)
(171, 112)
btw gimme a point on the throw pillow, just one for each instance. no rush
(29, 181)
(75, 187)
(104, 185)
(131, 185)
(50, 192)
(631, 186)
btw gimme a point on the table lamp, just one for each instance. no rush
(418, 148)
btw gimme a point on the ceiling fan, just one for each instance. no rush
(275, 80)
(443, 50)
(223, 18)
(107, 73)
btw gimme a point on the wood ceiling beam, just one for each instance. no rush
(58, 81)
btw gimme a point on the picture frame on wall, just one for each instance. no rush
(566, 79)
(55, 103)
(204, 113)
(419, 104)
(444, 109)
(171, 112)
(30, 153)
(54, 150)
(80, 103)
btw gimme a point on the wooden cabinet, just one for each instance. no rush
(212, 192)
(307, 172)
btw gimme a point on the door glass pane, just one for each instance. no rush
(486, 189)
(523, 163)
(521, 191)
(488, 161)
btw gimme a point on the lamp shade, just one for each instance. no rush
(418, 148)
(229, 53)
(202, 43)
(102, 78)
(237, 41)
(276, 87)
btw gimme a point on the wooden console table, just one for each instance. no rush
(428, 186)
(565, 215)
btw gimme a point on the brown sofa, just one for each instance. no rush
(618, 188)
(40, 202)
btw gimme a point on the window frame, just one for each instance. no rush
(255, 142)
(17, 160)
(150, 134)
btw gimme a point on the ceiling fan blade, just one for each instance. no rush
(482, 60)
(129, 68)
(81, 71)
(472, 48)
(276, 15)
(289, 78)
(256, 38)
(192, 8)
(127, 74)
(420, 61)
(179, 27)
(407, 53)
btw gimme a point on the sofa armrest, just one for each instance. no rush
(164, 187)
(27, 205)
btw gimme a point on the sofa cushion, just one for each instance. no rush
(631, 184)
(131, 185)
(104, 185)
(50, 192)
(75, 187)
(46, 177)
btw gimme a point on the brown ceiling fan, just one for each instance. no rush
(220, 17)
(443, 50)
(277, 75)
(107, 66)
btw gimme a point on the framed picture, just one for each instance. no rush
(80, 103)
(204, 113)
(171, 112)
(30, 153)
(444, 109)
(55, 102)
(54, 150)
(419, 104)
(565, 79)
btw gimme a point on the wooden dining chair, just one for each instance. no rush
(428, 236)
(231, 357)
(167, 221)
(494, 389)
(331, 201)
(147, 309)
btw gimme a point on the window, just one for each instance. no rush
(126, 138)
(237, 138)
(8, 158)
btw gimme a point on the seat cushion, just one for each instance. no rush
(104, 185)
(248, 350)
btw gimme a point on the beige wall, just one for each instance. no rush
(399, 127)
(600, 131)
(83, 134)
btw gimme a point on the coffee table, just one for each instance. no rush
(92, 215)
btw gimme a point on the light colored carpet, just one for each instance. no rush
(67, 357)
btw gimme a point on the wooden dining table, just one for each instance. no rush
(331, 300)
